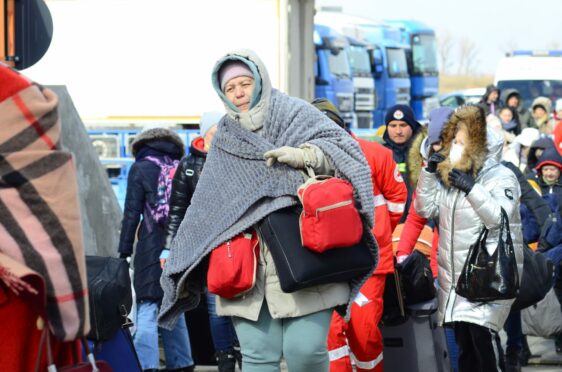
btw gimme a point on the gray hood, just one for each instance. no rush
(494, 144)
(252, 119)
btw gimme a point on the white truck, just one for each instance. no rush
(532, 73)
(140, 60)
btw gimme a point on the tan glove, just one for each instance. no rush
(293, 157)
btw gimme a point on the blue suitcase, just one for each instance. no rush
(119, 351)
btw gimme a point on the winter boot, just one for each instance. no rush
(512, 360)
(226, 360)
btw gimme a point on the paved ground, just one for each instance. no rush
(549, 360)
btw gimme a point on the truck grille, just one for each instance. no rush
(364, 120)
(345, 102)
(403, 96)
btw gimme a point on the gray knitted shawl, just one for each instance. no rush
(236, 190)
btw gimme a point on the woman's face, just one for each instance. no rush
(239, 92)
(461, 137)
(459, 145)
(437, 146)
(539, 113)
(506, 116)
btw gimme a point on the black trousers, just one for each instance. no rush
(479, 348)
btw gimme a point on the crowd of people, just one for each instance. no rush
(457, 174)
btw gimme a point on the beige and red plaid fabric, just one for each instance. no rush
(40, 222)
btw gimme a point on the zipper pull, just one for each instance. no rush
(228, 249)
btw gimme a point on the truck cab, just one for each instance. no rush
(363, 82)
(387, 55)
(422, 63)
(532, 73)
(332, 70)
(390, 67)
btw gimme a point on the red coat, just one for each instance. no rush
(390, 195)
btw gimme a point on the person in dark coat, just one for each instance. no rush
(549, 170)
(227, 351)
(490, 101)
(512, 98)
(534, 213)
(538, 148)
(401, 128)
(548, 176)
(166, 147)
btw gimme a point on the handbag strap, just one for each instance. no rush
(505, 222)
(51, 367)
(309, 170)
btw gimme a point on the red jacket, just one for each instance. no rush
(390, 194)
(410, 234)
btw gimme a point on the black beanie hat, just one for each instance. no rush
(403, 113)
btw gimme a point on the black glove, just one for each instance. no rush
(461, 180)
(124, 255)
(433, 161)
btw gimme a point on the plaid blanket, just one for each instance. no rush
(39, 210)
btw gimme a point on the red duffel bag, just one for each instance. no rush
(329, 218)
(233, 266)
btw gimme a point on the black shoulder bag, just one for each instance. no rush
(299, 267)
(110, 295)
(486, 277)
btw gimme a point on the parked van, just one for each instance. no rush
(532, 73)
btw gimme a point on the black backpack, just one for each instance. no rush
(110, 296)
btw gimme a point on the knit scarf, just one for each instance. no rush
(236, 189)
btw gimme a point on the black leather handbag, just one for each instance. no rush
(299, 267)
(486, 277)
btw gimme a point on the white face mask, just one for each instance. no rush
(456, 152)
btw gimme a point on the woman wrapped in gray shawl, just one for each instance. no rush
(238, 188)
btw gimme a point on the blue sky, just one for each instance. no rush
(493, 25)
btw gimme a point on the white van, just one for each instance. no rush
(532, 73)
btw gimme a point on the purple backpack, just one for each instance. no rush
(159, 212)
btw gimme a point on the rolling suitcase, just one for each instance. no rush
(417, 345)
(119, 351)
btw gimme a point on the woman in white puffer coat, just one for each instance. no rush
(475, 188)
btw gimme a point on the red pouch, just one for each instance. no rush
(329, 218)
(233, 266)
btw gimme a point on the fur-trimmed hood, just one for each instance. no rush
(483, 149)
(415, 158)
(156, 134)
(545, 102)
